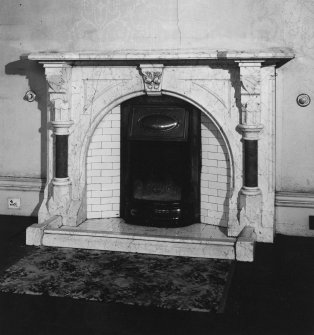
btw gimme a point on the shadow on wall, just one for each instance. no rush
(37, 82)
(236, 84)
(228, 179)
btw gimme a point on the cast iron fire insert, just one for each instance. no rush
(160, 162)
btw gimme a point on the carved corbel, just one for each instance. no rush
(250, 77)
(152, 78)
(58, 77)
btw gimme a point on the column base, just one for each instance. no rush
(250, 207)
(245, 245)
(61, 181)
(60, 200)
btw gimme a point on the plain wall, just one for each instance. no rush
(95, 25)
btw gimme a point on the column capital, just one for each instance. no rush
(250, 132)
(61, 127)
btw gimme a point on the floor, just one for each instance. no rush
(273, 295)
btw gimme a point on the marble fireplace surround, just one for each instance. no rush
(234, 89)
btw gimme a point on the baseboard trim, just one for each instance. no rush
(294, 199)
(22, 184)
(282, 198)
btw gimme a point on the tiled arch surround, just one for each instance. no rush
(235, 92)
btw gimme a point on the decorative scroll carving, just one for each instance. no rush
(152, 77)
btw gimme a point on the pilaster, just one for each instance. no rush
(58, 194)
(250, 196)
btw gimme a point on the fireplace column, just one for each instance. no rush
(61, 132)
(250, 199)
(58, 76)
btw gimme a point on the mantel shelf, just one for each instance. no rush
(276, 55)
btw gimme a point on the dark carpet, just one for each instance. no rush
(181, 283)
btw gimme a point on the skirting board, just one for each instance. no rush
(294, 199)
(22, 184)
(292, 213)
(292, 208)
(294, 221)
(28, 190)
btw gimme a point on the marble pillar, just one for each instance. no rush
(58, 194)
(250, 195)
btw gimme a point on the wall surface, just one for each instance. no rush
(43, 25)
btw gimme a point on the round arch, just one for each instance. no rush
(116, 102)
(101, 114)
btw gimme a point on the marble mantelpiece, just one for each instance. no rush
(234, 89)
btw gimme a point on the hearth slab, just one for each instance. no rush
(197, 240)
(186, 248)
(118, 225)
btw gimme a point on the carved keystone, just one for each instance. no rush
(152, 78)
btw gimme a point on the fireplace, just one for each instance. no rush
(160, 152)
(160, 162)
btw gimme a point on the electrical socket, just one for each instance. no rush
(14, 203)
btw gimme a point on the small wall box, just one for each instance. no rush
(311, 222)
(14, 203)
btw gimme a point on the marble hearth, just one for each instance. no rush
(235, 94)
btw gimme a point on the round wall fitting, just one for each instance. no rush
(303, 100)
(30, 96)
